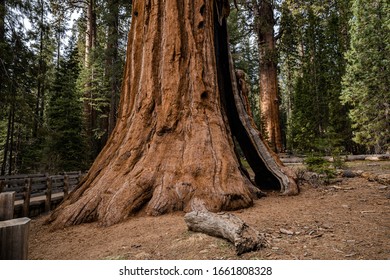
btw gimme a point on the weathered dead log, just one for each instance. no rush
(295, 159)
(227, 226)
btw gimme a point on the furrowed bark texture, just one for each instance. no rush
(269, 99)
(171, 148)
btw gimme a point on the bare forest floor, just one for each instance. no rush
(349, 219)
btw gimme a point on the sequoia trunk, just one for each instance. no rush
(172, 147)
(269, 99)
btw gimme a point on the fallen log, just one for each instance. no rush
(295, 159)
(227, 226)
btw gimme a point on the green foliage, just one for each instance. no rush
(16, 91)
(65, 141)
(312, 65)
(366, 81)
(245, 54)
(101, 69)
(321, 166)
(338, 161)
(329, 51)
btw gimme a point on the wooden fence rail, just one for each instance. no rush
(38, 192)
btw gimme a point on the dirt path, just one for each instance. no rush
(347, 220)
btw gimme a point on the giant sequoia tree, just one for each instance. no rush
(269, 97)
(172, 148)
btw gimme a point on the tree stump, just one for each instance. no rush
(227, 226)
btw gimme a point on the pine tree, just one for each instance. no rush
(17, 86)
(366, 82)
(103, 51)
(65, 140)
(312, 65)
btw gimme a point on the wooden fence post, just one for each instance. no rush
(49, 184)
(2, 186)
(66, 186)
(27, 195)
(7, 201)
(14, 239)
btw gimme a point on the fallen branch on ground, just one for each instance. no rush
(228, 226)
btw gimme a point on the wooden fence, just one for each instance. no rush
(37, 193)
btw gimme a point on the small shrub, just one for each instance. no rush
(321, 166)
(338, 161)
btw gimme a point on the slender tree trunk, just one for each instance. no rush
(172, 147)
(2, 20)
(58, 51)
(269, 98)
(90, 115)
(111, 67)
(114, 83)
(11, 142)
(7, 142)
(40, 79)
(2, 40)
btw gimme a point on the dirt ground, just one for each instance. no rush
(349, 219)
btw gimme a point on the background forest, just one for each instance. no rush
(61, 65)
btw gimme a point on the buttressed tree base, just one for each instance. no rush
(172, 148)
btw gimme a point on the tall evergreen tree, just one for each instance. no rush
(262, 27)
(268, 60)
(366, 82)
(103, 51)
(65, 141)
(33, 36)
(312, 65)
(17, 87)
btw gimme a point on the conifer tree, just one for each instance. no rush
(366, 82)
(17, 87)
(312, 65)
(65, 141)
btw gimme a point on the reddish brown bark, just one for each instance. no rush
(269, 99)
(172, 147)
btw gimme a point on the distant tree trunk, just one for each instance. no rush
(172, 147)
(6, 145)
(11, 141)
(90, 114)
(2, 20)
(6, 167)
(2, 40)
(269, 98)
(39, 102)
(111, 67)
